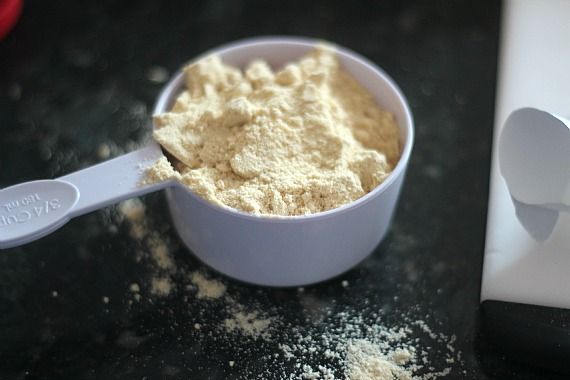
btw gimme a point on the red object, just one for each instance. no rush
(10, 11)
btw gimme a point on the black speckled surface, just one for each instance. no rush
(75, 75)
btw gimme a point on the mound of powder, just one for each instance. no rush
(305, 139)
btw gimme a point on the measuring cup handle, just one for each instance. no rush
(31, 210)
(114, 180)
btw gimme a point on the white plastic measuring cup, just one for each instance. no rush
(534, 159)
(287, 251)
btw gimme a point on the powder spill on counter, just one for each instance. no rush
(350, 343)
(353, 347)
(157, 251)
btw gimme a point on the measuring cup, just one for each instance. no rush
(264, 250)
(534, 156)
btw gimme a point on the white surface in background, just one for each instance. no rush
(534, 71)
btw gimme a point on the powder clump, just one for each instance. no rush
(207, 288)
(304, 139)
(365, 361)
(249, 324)
(161, 286)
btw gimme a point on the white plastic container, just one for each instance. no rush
(273, 251)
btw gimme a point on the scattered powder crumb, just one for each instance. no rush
(135, 289)
(287, 351)
(302, 140)
(249, 324)
(425, 328)
(157, 74)
(103, 151)
(154, 249)
(309, 373)
(344, 284)
(450, 343)
(161, 286)
(197, 326)
(231, 363)
(105, 299)
(54, 293)
(207, 288)
(160, 252)
(132, 209)
(138, 231)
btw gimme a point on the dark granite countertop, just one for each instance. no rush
(77, 81)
